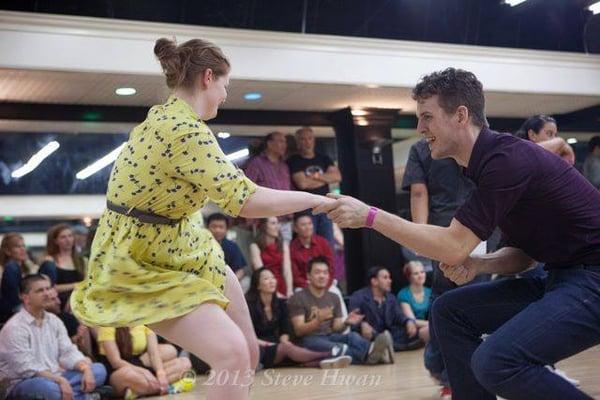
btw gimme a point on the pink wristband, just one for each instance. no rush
(371, 217)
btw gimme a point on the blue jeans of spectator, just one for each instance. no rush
(532, 322)
(43, 388)
(358, 347)
(324, 227)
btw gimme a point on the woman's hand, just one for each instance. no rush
(163, 381)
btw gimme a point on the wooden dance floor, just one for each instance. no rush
(406, 379)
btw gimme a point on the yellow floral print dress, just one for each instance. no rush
(142, 273)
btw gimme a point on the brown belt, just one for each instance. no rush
(142, 216)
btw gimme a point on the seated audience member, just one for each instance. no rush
(14, 264)
(80, 334)
(271, 252)
(414, 298)
(36, 355)
(382, 312)
(63, 264)
(270, 319)
(306, 246)
(591, 165)
(218, 224)
(137, 364)
(317, 322)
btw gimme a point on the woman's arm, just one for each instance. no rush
(267, 202)
(560, 147)
(154, 353)
(287, 270)
(111, 350)
(255, 259)
(66, 287)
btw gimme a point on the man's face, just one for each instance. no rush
(39, 295)
(319, 276)
(306, 140)
(53, 305)
(277, 145)
(383, 281)
(218, 228)
(437, 127)
(304, 227)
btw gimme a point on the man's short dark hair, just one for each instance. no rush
(317, 260)
(593, 143)
(29, 280)
(301, 214)
(454, 88)
(373, 272)
(217, 217)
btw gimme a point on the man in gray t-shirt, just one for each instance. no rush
(318, 324)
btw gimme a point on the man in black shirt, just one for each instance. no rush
(313, 172)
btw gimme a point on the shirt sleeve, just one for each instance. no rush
(197, 158)
(327, 162)
(68, 353)
(11, 279)
(48, 268)
(237, 258)
(503, 181)
(284, 320)
(294, 164)
(19, 355)
(415, 170)
(337, 306)
(403, 296)
(295, 306)
(106, 334)
(252, 171)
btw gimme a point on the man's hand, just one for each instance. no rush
(461, 274)
(325, 314)
(65, 389)
(345, 211)
(354, 317)
(88, 382)
(366, 330)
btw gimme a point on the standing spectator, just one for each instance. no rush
(80, 238)
(64, 265)
(15, 264)
(271, 252)
(382, 312)
(37, 356)
(269, 169)
(318, 323)
(270, 319)
(591, 165)
(543, 130)
(218, 224)
(313, 173)
(306, 246)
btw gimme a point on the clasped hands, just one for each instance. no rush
(345, 211)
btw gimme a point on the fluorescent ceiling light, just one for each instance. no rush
(223, 135)
(253, 96)
(513, 3)
(595, 8)
(101, 163)
(571, 140)
(357, 112)
(36, 159)
(362, 122)
(236, 155)
(125, 91)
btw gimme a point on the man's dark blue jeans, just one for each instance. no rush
(532, 322)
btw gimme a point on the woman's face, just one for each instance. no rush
(65, 240)
(272, 227)
(215, 94)
(267, 282)
(17, 250)
(548, 131)
(417, 275)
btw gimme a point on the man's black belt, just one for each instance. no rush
(142, 216)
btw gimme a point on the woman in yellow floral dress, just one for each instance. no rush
(152, 262)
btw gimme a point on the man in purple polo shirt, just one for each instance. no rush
(269, 169)
(548, 212)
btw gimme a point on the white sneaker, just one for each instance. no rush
(563, 375)
(336, 362)
(339, 350)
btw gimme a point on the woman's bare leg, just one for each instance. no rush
(239, 313)
(210, 334)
